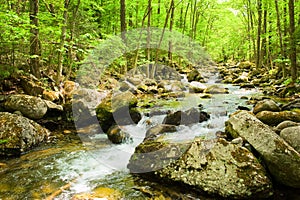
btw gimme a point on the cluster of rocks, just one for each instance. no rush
(247, 75)
(257, 149)
(27, 119)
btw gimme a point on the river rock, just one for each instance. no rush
(30, 106)
(19, 134)
(282, 160)
(194, 76)
(188, 117)
(216, 89)
(196, 87)
(158, 130)
(284, 125)
(116, 135)
(100, 193)
(275, 118)
(116, 107)
(266, 105)
(292, 136)
(214, 166)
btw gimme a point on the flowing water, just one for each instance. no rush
(58, 171)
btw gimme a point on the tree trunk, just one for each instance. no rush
(279, 32)
(35, 51)
(62, 43)
(258, 41)
(293, 50)
(123, 20)
(149, 31)
(170, 55)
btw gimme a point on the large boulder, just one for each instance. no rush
(282, 160)
(30, 106)
(214, 166)
(274, 118)
(266, 105)
(18, 134)
(292, 136)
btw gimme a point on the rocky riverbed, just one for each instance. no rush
(187, 136)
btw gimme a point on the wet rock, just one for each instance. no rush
(19, 134)
(292, 136)
(266, 105)
(216, 89)
(126, 116)
(116, 135)
(117, 109)
(196, 87)
(158, 130)
(284, 125)
(282, 160)
(194, 76)
(205, 96)
(247, 85)
(188, 117)
(30, 106)
(275, 118)
(214, 166)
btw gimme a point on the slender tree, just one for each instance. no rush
(35, 51)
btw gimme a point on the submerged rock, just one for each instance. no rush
(275, 118)
(19, 134)
(30, 106)
(214, 166)
(282, 160)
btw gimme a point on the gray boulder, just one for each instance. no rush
(282, 160)
(216, 89)
(266, 105)
(214, 166)
(19, 134)
(30, 106)
(284, 125)
(292, 136)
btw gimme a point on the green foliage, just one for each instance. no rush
(3, 141)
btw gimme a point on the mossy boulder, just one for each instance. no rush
(274, 118)
(216, 167)
(19, 134)
(266, 105)
(195, 75)
(30, 106)
(117, 109)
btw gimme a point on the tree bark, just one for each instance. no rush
(258, 41)
(35, 51)
(170, 55)
(123, 19)
(293, 49)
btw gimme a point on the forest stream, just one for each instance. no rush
(58, 171)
